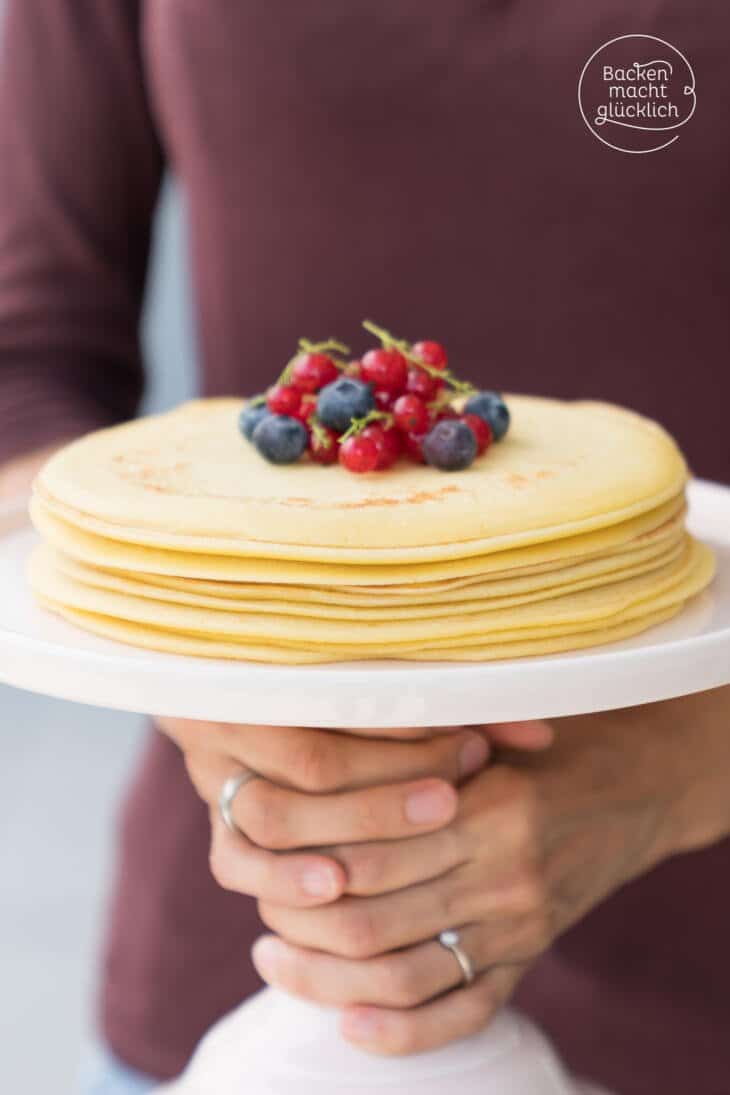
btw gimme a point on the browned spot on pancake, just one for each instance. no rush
(545, 474)
(415, 498)
(518, 481)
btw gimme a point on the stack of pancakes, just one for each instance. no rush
(173, 533)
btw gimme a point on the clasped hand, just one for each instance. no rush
(360, 851)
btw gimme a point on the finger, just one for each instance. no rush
(323, 760)
(357, 927)
(400, 979)
(298, 880)
(529, 736)
(465, 1011)
(279, 819)
(380, 867)
(515, 920)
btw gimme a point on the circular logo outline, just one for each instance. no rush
(688, 90)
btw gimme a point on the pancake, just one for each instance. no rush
(187, 481)
(623, 600)
(173, 534)
(152, 638)
(662, 523)
(376, 605)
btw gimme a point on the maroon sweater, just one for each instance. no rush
(423, 163)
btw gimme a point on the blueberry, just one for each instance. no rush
(342, 400)
(492, 408)
(450, 445)
(250, 417)
(280, 439)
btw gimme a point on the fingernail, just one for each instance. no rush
(361, 1026)
(318, 882)
(429, 805)
(473, 755)
(266, 954)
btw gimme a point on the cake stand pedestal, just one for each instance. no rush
(274, 1044)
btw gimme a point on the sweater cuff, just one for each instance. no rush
(40, 406)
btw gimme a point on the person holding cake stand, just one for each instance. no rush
(424, 162)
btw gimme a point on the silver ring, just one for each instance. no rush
(229, 790)
(452, 941)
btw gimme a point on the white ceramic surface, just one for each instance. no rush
(41, 653)
(276, 1045)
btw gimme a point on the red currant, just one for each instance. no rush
(311, 372)
(323, 447)
(411, 414)
(283, 399)
(481, 430)
(412, 443)
(307, 407)
(432, 353)
(383, 399)
(359, 454)
(385, 369)
(421, 384)
(388, 443)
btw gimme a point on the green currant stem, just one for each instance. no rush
(358, 424)
(404, 347)
(320, 433)
(304, 346)
(257, 401)
(329, 345)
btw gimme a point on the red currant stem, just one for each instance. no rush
(446, 375)
(305, 346)
(320, 433)
(404, 347)
(287, 370)
(256, 401)
(439, 403)
(386, 337)
(358, 424)
(328, 345)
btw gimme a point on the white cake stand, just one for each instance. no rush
(274, 1044)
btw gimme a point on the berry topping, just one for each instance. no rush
(400, 397)
(388, 441)
(422, 384)
(280, 439)
(386, 369)
(413, 445)
(430, 353)
(310, 372)
(450, 445)
(323, 445)
(307, 408)
(481, 429)
(384, 400)
(283, 399)
(411, 414)
(342, 401)
(492, 408)
(251, 415)
(359, 454)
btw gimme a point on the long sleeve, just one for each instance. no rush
(80, 170)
